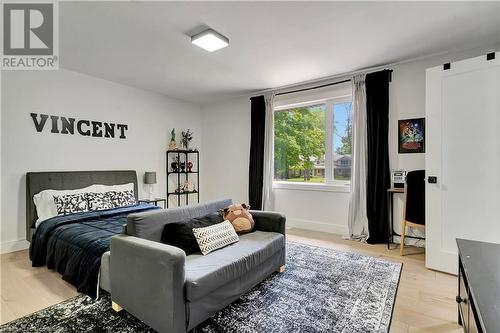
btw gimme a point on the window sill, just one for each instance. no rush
(284, 185)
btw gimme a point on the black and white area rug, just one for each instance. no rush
(322, 290)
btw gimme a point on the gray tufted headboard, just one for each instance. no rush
(69, 180)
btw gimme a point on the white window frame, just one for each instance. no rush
(330, 184)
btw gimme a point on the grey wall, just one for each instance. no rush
(150, 118)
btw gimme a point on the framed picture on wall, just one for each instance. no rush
(411, 136)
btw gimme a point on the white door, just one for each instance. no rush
(463, 153)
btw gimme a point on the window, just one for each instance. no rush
(312, 141)
(342, 141)
(299, 144)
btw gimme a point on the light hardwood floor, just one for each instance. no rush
(425, 301)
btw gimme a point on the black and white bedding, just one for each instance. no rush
(74, 243)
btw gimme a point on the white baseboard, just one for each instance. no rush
(13, 246)
(317, 226)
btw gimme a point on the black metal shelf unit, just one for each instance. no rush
(182, 156)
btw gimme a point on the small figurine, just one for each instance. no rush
(175, 165)
(186, 138)
(183, 166)
(185, 188)
(189, 166)
(172, 145)
(194, 187)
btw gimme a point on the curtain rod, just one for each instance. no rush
(329, 84)
(311, 88)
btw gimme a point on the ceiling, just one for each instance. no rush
(147, 44)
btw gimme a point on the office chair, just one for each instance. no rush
(414, 203)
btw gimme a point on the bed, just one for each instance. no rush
(74, 244)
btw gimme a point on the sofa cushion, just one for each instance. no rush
(149, 225)
(180, 234)
(215, 237)
(204, 274)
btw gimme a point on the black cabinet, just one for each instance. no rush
(466, 311)
(478, 286)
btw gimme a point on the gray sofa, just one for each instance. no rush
(172, 292)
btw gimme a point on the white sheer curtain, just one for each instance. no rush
(358, 220)
(268, 174)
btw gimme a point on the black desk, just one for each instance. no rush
(391, 233)
(479, 286)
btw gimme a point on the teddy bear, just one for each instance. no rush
(240, 217)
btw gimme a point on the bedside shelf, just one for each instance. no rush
(180, 172)
(182, 151)
(183, 193)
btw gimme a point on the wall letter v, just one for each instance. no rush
(39, 125)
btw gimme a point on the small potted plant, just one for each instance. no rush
(172, 145)
(186, 138)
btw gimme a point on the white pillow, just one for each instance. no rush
(45, 205)
(215, 236)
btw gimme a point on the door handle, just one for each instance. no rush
(432, 179)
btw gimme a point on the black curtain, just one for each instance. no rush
(256, 168)
(378, 174)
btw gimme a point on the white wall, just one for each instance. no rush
(226, 128)
(150, 118)
(226, 150)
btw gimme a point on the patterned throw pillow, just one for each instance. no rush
(71, 203)
(122, 198)
(99, 201)
(180, 234)
(215, 236)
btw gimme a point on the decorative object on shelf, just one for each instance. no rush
(186, 138)
(175, 165)
(411, 136)
(172, 145)
(150, 179)
(183, 177)
(185, 188)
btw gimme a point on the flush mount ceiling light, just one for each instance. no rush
(210, 40)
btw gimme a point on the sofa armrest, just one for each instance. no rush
(147, 280)
(269, 221)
